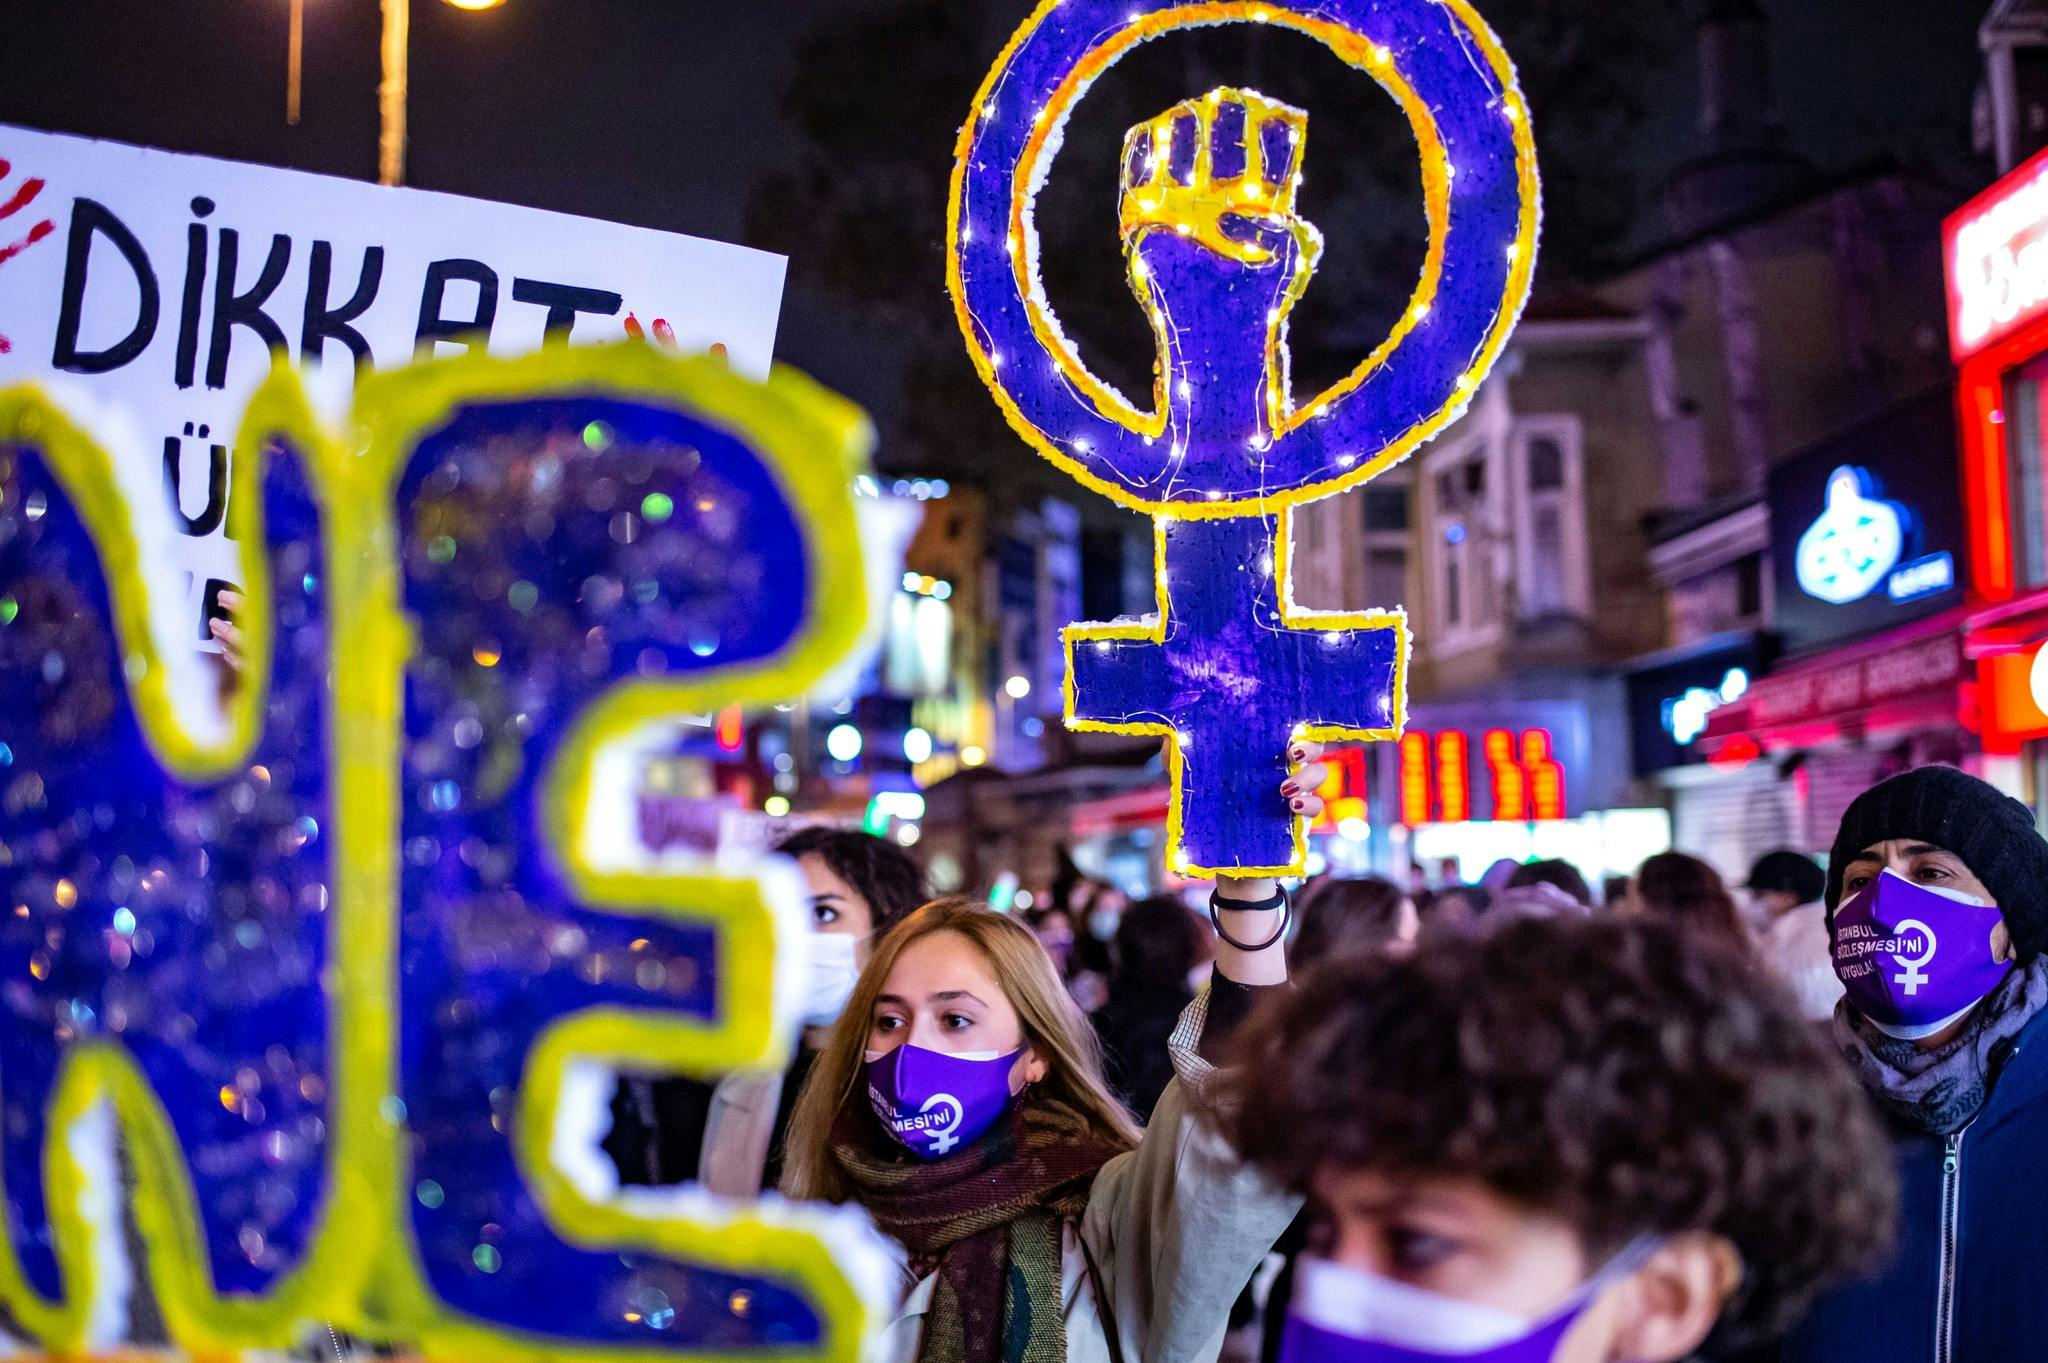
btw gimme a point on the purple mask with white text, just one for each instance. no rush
(933, 1102)
(1913, 958)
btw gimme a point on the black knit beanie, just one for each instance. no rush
(1993, 833)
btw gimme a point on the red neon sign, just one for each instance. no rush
(1343, 789)
(1980, 410)
(727, 731)
(1414, 779)
(1995, 258)
(1510, 790)
(1527, 779)
(1545, 773)
(1453, 777)
(2008, 701)
(1736, 753)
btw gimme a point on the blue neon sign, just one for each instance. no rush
(1854, 543)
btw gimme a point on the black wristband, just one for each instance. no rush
(1277, 900)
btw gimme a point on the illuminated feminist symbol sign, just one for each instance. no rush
(1230, 669)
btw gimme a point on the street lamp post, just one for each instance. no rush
(391, 90)
(294, 62)
(391, 93)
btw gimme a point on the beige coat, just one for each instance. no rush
(738, 1130)
(1177, 1228)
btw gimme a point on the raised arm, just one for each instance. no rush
(1180, 1224)
(1250, 914)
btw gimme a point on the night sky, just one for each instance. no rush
(664, 113)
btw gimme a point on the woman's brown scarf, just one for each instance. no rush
(988, 1219)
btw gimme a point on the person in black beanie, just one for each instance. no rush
(1937, 900)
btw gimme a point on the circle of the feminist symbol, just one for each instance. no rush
(1448, 72)
(1912, 975)
(942, 1138)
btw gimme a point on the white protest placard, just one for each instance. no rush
(146, 290)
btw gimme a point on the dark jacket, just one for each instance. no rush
(1973, 1240)
(1134, 1026)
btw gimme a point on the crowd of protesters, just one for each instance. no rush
(1514, 1120)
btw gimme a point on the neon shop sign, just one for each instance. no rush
(1685, 716)
(1526, 778)
(1996, 256)
(1856, 543)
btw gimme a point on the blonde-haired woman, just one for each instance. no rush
(960, 1100)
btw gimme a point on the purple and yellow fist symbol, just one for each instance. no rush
(1229, 670)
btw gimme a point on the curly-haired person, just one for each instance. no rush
(1563, 1141)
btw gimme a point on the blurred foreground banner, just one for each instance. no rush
(316, 975)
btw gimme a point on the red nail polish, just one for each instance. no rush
(1297, 806)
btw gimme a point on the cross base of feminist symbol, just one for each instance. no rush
(1230, 673)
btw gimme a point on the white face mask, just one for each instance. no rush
(1343, 1315)
(833, 967)
(1353, 1305)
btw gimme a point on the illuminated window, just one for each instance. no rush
(1386, 541)
(917, 659)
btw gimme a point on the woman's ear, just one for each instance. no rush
(1672, 1301)
(1034, 1065)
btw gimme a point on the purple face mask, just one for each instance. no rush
(933, 1102)
(1340, 1315)
(1913, 959)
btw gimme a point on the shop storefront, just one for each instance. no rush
(1870, 573)
(1821, 732)
(1996, 257)
(1724, 812)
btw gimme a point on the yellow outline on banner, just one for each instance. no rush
(362, 1268)
(1354, 50)
(1153, 630)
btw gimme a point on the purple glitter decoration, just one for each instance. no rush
(1236, 679)
(539, 584)
(182, 922)
(550, 550)
(1226, 144)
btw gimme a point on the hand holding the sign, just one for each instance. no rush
(1250, 913)
(228, 634)
(1308, 776)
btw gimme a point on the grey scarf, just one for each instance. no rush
(1940, 1091)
